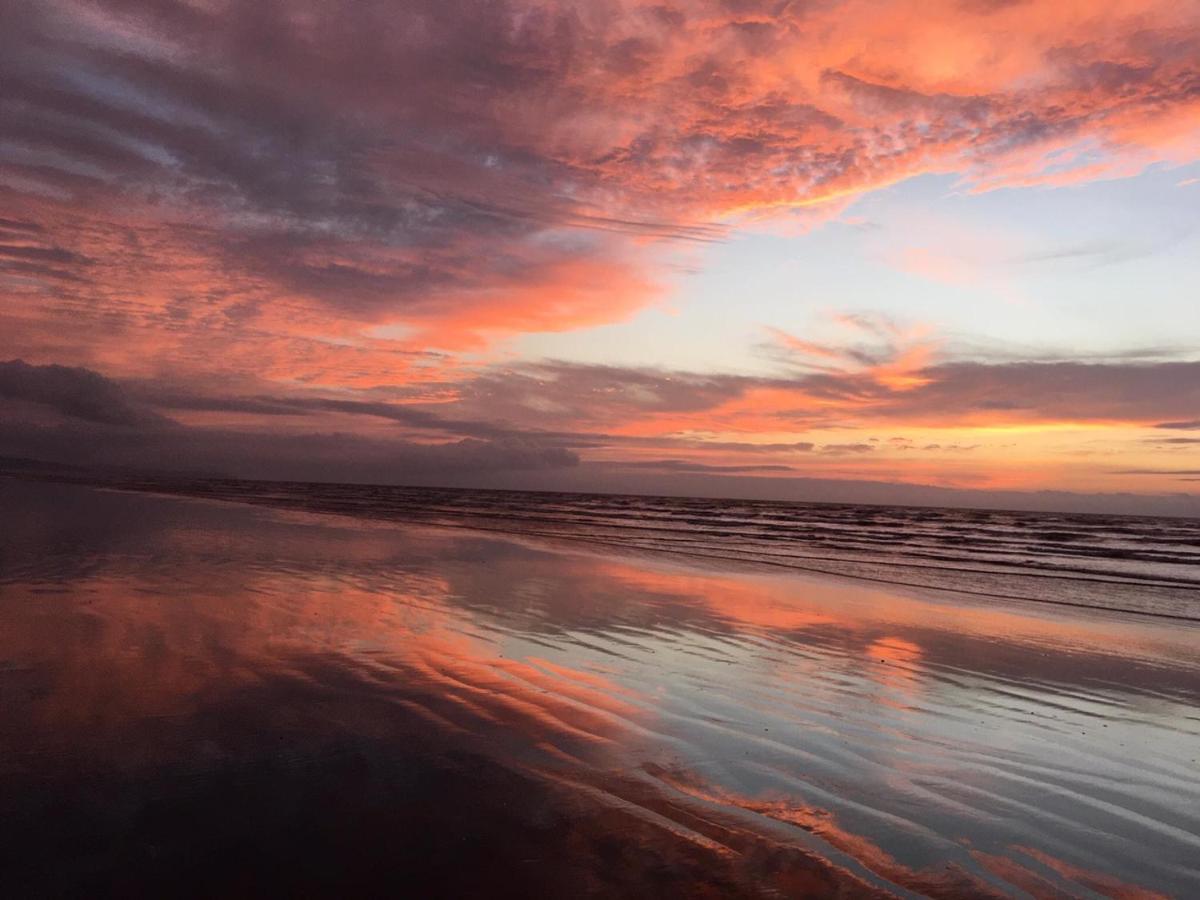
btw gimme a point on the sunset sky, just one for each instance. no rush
(822, 249)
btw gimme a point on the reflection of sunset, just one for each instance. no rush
(899, 662)
(708, 707)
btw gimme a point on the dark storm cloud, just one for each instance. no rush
(108, 425)
(73, 392)
(304, 455)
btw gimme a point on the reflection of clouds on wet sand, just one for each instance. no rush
(738, 732)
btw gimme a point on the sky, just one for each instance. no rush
(944, 251)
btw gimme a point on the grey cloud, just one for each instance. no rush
(554, 392)
(306, 405)
(107, 424)
(19, 226)
(323, 154)
(277, 455)
(747, 447)
(837, 449)
(682, 465)
(1065, 391)
(74, 392)
(547, 394)
(39, 254)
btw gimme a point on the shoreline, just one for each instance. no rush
(694, 557)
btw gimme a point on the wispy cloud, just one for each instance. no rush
(489, 171)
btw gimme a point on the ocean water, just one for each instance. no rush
(333, 691)
(1143, 564)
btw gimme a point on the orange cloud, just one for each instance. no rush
(570, 294)
(430, 195)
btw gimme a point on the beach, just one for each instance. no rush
(217, 698)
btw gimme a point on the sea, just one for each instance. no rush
(219, 688)
(1140, 564)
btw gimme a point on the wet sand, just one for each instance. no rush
(211, 699)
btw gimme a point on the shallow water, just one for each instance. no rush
(1134, 563)
(210, 698)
